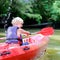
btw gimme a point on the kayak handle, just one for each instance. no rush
(5, 53)
(26, 48)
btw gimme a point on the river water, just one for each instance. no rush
(53, 49)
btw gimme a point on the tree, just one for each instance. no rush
(25, 10)
(4, 10)
(55, 11)
(4, 7)
(38, 10)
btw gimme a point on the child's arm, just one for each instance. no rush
(24, 32)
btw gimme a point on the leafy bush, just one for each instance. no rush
(38, 10)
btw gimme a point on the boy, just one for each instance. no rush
(14, 33)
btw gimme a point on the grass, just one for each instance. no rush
(53, 50)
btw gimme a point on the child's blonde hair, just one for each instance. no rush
(16, 20)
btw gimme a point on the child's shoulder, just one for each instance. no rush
(12, 28)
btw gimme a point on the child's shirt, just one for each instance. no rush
(11, 35)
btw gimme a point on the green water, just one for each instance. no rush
(53, 49)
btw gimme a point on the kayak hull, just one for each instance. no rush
(31, 51)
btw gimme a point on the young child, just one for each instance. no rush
(14, 32)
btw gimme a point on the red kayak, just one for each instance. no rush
(37, 46)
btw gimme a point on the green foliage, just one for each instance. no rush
(37, 17)
(4, 7)
(25, 10)
(55, 11)
(38, 10)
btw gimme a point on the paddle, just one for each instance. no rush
(46, 31)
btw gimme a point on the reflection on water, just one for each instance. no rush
(51, 54)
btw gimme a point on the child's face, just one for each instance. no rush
(19, 24)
